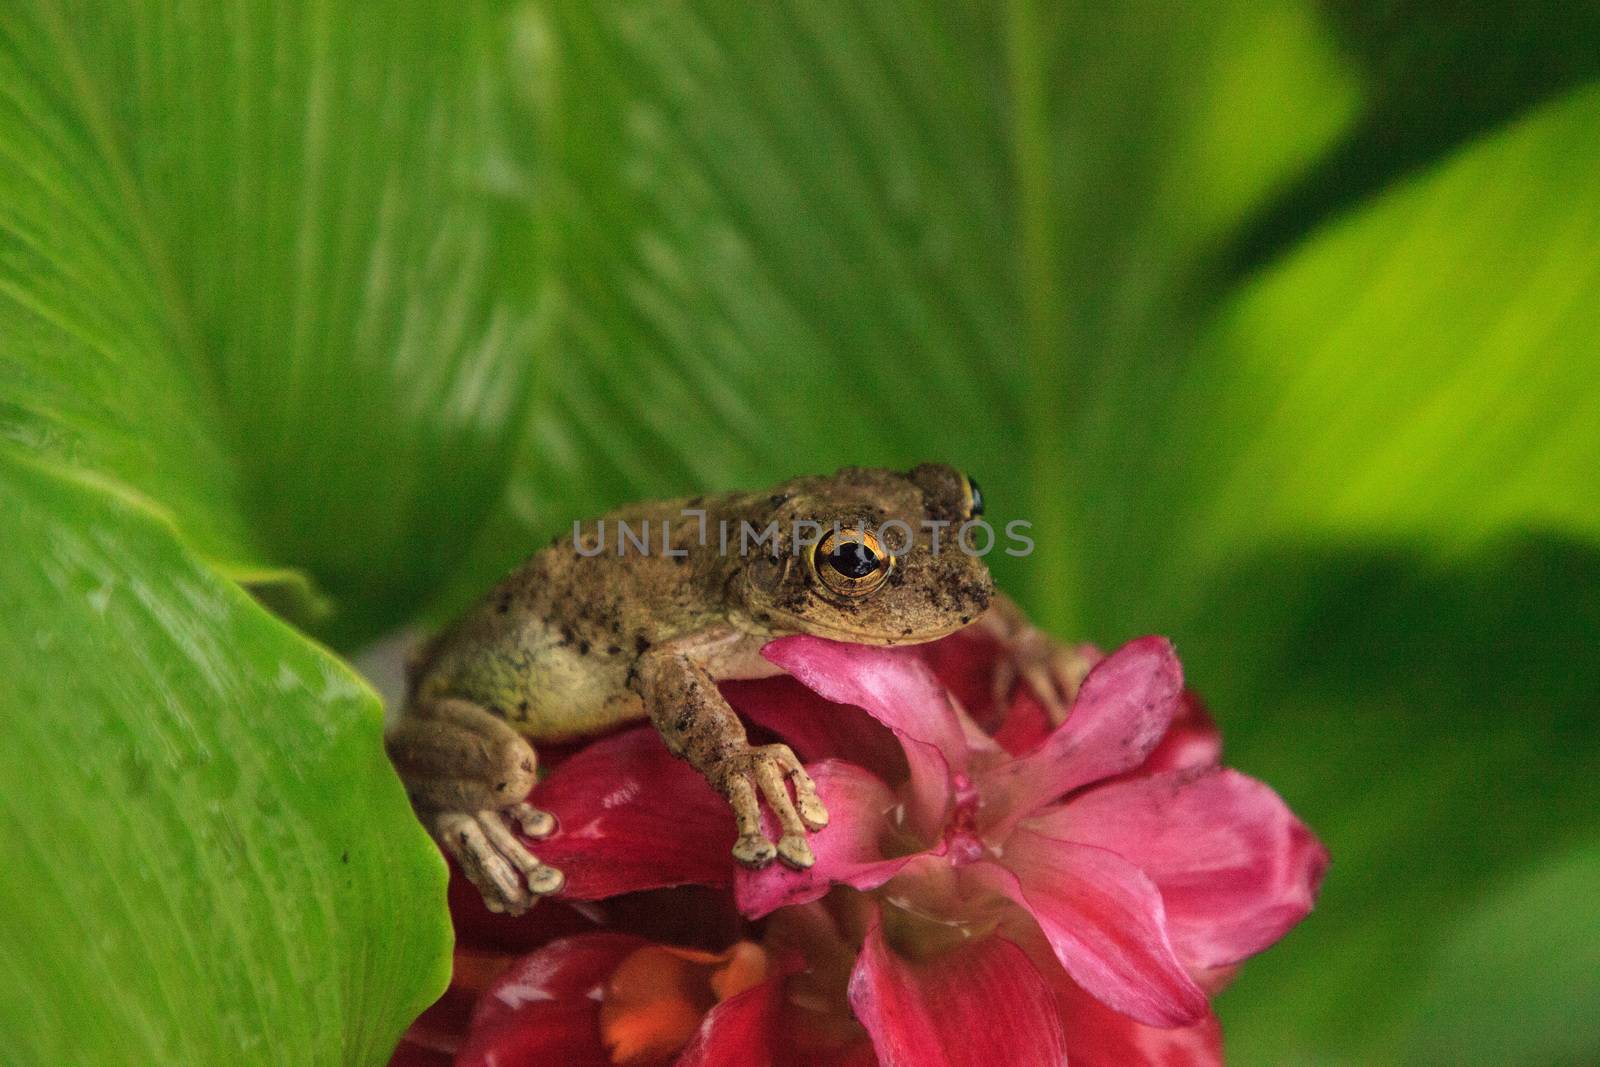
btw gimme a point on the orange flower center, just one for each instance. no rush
(655, 1000)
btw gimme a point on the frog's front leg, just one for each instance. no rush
(467, 771)
(698, 726)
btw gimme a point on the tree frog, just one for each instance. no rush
(638, 615)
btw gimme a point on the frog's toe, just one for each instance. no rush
(542, 878)
(535, 822)
(463, 837)
(795, 851)
(812, 813)
(754, 850)
(546, 880)
(511, 878)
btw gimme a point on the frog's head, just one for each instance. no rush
(869, 556)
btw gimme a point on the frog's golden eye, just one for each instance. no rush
(974, 497)
(851, 563)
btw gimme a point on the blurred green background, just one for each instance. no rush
(1279, 320)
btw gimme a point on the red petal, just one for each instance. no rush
(407, 1054)
(894, 686)
(1105, 922)
(965, 663)
(818, 729)
(1235, 868)
(1100, 1037)
(478, 927)
(569, 969)
(850, 850)
(1124, 707)
(633, 816)
(545, 1009)
(737, 1031)
(1026, 725)
(980, 1005)
(542, 1034)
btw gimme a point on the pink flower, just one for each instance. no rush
(1140, 886)
(994, 893)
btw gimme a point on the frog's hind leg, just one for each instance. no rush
(467, 772)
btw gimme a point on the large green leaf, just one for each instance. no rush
(789, 238)
(278, 275)
(1546, 959)
(256, 265)
(1434, 722)
(1423, 370)
(1375, 523)
(206, 856)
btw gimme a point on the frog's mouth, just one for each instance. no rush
(793, 624)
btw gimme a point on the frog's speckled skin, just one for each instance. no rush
(571, 644)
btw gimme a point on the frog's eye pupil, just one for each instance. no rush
(853, 559)
(977, 496)
(850, 565)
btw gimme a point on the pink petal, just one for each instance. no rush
(740, 1030)
(1105, 922)
(850, 850)
(1100, 1037)
(633, 816)
(545, 1009)
(1124, 707)
(980, 1005)
(1235, 868)
(1191, 742)
(818, 729)
(894, 686)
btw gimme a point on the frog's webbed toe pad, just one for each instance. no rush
(754, 850)
(812, 813)
(795, 851)
(511, 878)
(535, 822)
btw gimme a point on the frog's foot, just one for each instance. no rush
(468, 772)
(1052, 670)
(511, 878)
(766, 771)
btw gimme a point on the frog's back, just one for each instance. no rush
(550, 648)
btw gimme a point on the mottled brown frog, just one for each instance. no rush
(639, 613)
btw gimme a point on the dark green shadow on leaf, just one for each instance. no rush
(1435, 723)
(1436, 75)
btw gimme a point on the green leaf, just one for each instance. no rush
(266, 266)
(1546, 962)
(207, 857)
(1371, 525)
(1423, 370)
(792, 238)
(1434, 723)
